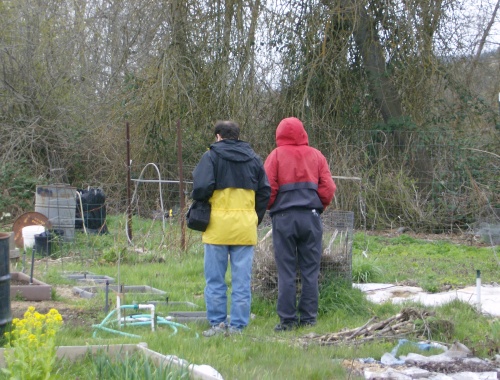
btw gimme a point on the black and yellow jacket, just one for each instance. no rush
(232, 177)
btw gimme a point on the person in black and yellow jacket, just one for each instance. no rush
(231, 177)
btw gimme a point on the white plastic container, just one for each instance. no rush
(29, 233)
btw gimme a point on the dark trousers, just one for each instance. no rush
(297, 239)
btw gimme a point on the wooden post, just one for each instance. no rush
(181, 187)
(129, 197)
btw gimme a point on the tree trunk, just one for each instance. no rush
(383, 90)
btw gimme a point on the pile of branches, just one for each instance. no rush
(397, 326)
(265, 273)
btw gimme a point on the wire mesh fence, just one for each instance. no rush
(432, 181)
(336, 258)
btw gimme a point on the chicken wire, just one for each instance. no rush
(336, 258)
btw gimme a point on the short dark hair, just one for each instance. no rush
(227, 129)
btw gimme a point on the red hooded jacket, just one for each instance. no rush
(298, 174)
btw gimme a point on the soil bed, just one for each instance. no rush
(72, 315)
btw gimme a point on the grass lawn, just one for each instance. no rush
(156, 260)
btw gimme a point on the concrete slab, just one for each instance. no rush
(487, 300)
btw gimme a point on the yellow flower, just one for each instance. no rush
(31, 349)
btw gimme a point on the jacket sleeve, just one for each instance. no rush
(262, 194)
(203, 178)
(271, 167)
(326, 185)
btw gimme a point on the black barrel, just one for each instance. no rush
(5, 313)
(43, 243)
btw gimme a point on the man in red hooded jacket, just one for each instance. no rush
(301, 188)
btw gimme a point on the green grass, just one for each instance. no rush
(121, 366)
(429, 264)
(260, 352)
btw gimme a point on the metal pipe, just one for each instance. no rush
(106, 306)
(478, 289)
(129, 202)
(181, 186)
(32, 264)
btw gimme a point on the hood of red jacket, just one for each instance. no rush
(291, 131)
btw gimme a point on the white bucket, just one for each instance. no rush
(29, 233)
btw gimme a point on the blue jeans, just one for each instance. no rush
(216, 260)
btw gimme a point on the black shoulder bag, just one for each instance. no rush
(198, 215)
